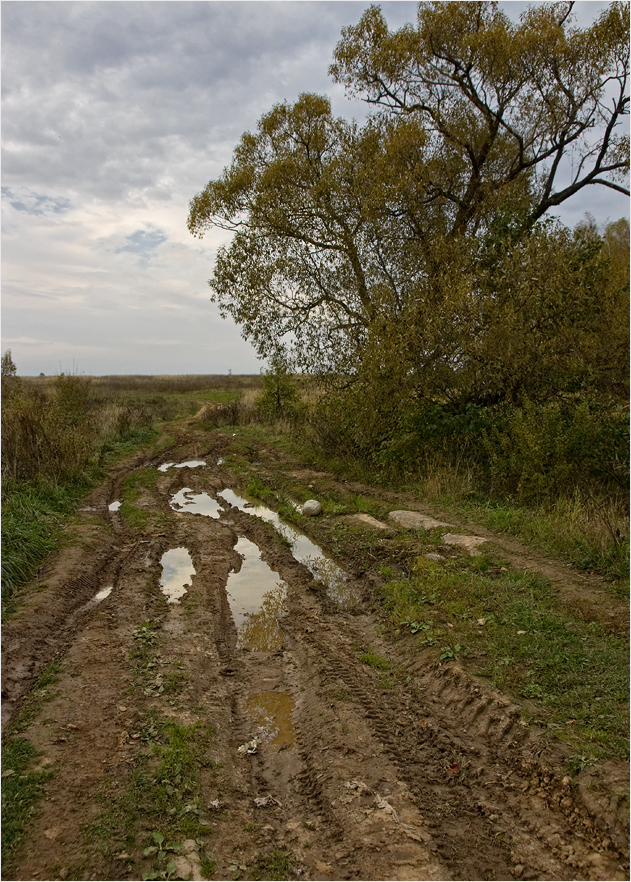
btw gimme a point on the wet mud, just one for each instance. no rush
(434, 776)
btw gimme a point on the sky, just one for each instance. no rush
(115, 114)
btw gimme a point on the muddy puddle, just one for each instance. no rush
(256, 595)
(304, 550)
(195, 503)
(271, 713)
(189, 464)
(114, 506)
(102, 594)
(177, 569)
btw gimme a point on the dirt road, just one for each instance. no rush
(241, 719)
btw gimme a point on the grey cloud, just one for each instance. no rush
(34, 203)
(143, 241)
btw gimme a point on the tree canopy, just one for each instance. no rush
(501, 104)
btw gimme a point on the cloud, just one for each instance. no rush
(34, 203)
(143, 241)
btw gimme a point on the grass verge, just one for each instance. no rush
(33, 515)
(511, 628)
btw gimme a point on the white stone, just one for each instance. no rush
(466, 543)
(311, 508)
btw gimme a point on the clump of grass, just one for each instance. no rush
(276, 865)
(259, 490)
(33, 514)
(374, 661)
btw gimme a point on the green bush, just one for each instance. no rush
(280, 396)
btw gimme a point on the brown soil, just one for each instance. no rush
(436, 777)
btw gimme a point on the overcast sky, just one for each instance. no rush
(115, 114)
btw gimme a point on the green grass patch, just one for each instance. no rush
(164, 794)
(374, 661)
(135, 483)
(21, 791)
(277, 865)
(516, 632)
(33, 515)
(585, 533)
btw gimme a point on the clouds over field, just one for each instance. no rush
(114, 115)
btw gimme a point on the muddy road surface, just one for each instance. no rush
(209, 709)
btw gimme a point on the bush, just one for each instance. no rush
(546, 451)
(280, 397)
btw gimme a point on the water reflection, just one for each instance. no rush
(177, 568)
(304, 550)
(114, 506)
(256, 596)
(189, 464)
(271, 713)
(195, 503)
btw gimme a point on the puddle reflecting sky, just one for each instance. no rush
(256, 595)
(190, 464)
(271, 713)
(304, 550)
(196, 503)
(177, 569)
(114, 506)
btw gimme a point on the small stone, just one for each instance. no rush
(311, 508)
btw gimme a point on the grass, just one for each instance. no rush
(143, 479)
(21, 785)
(164, 793)
(33, 516)
(512, 628)
(21, 791)
(276, 865)
(374, 661)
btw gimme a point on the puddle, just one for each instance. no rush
(220, 461)
(195, 503)
(271, 713)
(190, 464)
(304, 550)
(102, 594)
(177, 568)
(114, 506)
(256, 595)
